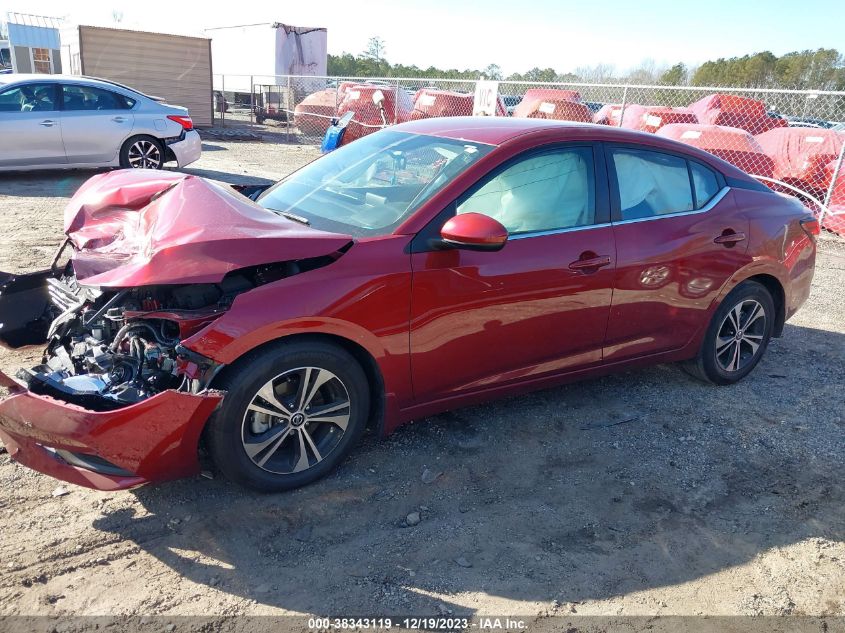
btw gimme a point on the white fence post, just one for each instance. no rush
(836, 172)
(396, 104)
(291, 106)
(337, 96)
(624, 101)
(251, 99)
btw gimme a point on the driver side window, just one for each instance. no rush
(542, 192)
(29, 98)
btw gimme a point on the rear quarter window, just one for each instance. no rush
(706, 184)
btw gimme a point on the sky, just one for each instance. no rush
(516, 35)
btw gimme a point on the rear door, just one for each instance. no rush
(95, 122)
(30, 129)
(679, 238)
(536, 308)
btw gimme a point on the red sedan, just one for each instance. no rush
(433, 265)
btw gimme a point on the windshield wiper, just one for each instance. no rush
(293, 216)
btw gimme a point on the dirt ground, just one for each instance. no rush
(644, 493)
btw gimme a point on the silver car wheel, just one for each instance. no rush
(740, 335)
(144, 154)
(295, 420)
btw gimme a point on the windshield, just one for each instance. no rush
(370, 186)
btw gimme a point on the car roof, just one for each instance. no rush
(487, 130)
(500, 130)
(68, 79)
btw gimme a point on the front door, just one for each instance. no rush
(30, 129)
(537, 307)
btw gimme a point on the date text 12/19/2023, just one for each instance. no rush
(429, 623)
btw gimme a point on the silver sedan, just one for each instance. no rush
(56, 121)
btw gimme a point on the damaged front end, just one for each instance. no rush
(155, 257)
(117, 400)
(108, 348)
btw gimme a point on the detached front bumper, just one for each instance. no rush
(153, 440)
(188, 149)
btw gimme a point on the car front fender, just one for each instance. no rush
(350, 299)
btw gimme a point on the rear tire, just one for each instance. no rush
(291, 413)
(142, 152)
(737, 336)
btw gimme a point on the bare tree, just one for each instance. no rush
(600, 73)
(375, 49)
(646, 73)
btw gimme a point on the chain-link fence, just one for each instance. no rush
(792, 140)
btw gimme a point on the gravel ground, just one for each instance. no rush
(643, 493)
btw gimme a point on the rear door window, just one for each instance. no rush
(90, 98)
(651, 183)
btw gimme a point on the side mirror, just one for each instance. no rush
(475, 232)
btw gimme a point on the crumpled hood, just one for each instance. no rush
(139, 228)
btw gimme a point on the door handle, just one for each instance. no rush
(47, 123)
(729, 239)
(119, 119)
(586, 265)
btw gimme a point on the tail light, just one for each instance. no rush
(811, 226)
(184, 121)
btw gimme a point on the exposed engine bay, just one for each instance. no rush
(108, 349)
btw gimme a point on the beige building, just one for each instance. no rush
(174, 67)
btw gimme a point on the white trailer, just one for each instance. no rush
(264, 52)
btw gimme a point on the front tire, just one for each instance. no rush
(737, 336)
(292, 412)
(142, 152)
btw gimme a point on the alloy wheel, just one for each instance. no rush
(295, 420)
(144, 154)
(740, 335)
